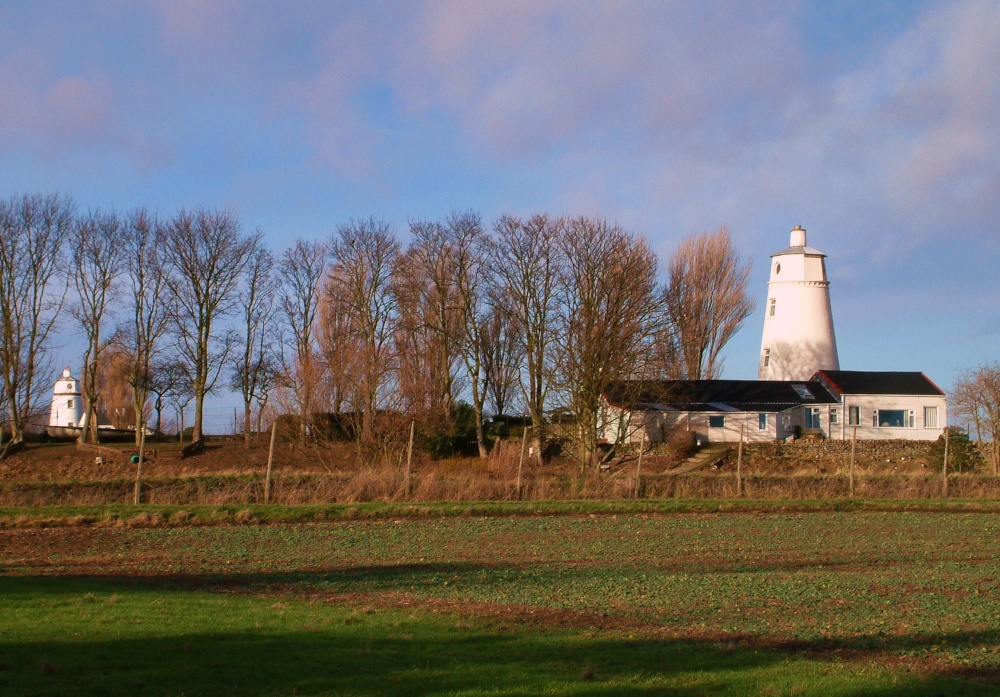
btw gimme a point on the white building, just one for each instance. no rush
(67, 403)
(834, 404)
(798, 337)
(716, 411)
(881, 405)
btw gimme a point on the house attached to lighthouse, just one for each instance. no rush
(798, 336)
(800, 387)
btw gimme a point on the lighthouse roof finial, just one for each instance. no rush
(797, 244)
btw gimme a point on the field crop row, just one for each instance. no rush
(915, 589)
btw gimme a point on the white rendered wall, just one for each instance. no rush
(67, 402)
(798, 337)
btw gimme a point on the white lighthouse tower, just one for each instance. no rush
(798, 334)
(67, 414)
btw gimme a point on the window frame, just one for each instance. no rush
(908, 418)
(713, 420)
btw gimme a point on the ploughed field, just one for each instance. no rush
(819, 602)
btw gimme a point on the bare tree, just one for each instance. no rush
(525, 255)
(148, 307)
(116, 397)
(365, 253)
(976, 397)
(168, 380)
(95, 264)
(610, 310)
(425, 286)
(339, 341)
(706, 300)
(180, 392)
(256, 365)
(207, 253)
(32, 231)
(302, 270)
(501, 356)
(473, 338)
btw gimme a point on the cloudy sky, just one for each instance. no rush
(875, 125)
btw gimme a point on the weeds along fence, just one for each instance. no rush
(390, 484)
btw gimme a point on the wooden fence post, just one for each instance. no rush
(850, 471)
(638, 466)
(270, 459)
(739, 461)
(944, 469)
(520, 462)
(138, 471)
(409, 457)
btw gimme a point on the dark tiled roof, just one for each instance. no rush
(878, 382)
(717, 395)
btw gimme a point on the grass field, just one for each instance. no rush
(631, 603)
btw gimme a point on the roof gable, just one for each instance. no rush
(878, 382)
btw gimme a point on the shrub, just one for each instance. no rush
(963, 456)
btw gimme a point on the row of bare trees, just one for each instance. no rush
(524, 315)
(519, 316)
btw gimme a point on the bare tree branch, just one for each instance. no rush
(706, 299)
(32, 230)
(207, 252)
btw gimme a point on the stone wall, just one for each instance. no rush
(806, 450)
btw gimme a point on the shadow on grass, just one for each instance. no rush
(110, 636)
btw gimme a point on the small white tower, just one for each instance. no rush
(798, 334)
(67, 402)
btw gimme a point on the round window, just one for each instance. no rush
(777, 269)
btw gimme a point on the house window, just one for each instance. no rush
(717, 421)
(854, 416)
(69, 387)
(761, 422)
(767, 357)
(770, 311)
(930, 417)
(813, 418)
(834, 416)
(69, 403)
(893, 418)
(786, 422)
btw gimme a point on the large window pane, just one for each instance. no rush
(891, 418)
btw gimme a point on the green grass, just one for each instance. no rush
(61, 515)
(86, 637)
(747, 601)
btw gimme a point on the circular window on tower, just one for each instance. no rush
(777, 268)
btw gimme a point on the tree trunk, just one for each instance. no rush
(247, 419)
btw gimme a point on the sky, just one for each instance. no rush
(874, 125)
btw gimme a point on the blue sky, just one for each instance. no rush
(872, 124)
